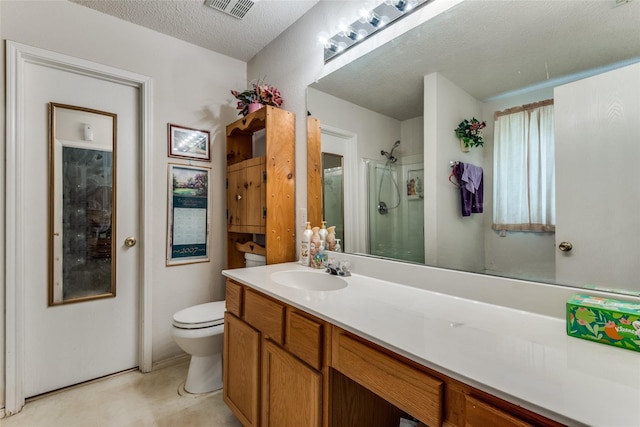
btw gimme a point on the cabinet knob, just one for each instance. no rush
(238, 196)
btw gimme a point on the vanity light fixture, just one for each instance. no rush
(369, 22)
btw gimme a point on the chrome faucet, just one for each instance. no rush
(339, 268)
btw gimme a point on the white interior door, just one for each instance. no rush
(72, 343)
(597, 187)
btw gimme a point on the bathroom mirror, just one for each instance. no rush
(475, 59)
(82, 191)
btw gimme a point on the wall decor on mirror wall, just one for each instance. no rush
(189, 206)
(188, 143)
(82, 191)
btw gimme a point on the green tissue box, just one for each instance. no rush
(608, 321)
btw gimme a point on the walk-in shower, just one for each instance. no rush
(395, 212)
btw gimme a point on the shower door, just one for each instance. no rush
(396, 209)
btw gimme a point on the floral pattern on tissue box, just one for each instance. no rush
(604, 320)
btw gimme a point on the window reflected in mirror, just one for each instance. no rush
(82, 203)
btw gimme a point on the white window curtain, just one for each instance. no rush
(524, 172)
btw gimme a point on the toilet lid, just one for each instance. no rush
(200, 316)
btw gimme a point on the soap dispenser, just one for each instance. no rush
(323, 232)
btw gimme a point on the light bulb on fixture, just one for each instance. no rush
(401, 5)
(370, 17)
(350, 33)
(323, 38)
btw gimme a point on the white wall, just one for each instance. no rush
(191, 88)
(452, 241)
(374, 131)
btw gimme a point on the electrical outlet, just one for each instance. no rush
(302, 213)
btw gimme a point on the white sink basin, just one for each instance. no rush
(309, 280)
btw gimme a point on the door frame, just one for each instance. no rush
(353, 229)
(17, 55)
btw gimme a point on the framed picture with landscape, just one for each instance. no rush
(187, 143)
(188, 216)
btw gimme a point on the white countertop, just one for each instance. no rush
(523, 357)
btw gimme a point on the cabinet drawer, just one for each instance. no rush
(480, 414)
(264, 314)
(304, 338)
(408, 388)
(233, 298)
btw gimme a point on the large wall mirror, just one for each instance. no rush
(580, 60)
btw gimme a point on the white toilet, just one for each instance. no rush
(198, 330)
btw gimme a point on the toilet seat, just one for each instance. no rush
(200, 316)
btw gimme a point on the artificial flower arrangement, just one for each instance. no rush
(470, 132)
(260, 93)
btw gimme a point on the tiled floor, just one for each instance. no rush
(127, 400)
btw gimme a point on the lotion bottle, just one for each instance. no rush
(305, 245)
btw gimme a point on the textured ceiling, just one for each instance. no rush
(192, 21)
(488, 48)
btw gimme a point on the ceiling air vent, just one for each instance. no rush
(236, 8)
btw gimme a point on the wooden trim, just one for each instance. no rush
(314, 171)
(525, 107)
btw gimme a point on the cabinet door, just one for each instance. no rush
(241, 369)
(255, 195)
(291, 390)
(235, 197)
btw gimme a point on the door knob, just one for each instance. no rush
(565, 246)
(130, 241)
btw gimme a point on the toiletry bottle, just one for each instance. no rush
(323, 232)
(305, 245)
(323, 255)
(315, 242)
(331, 238)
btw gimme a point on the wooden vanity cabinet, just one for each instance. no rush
(272, 361)
(286, 368)
(260, 150)
(241, 370)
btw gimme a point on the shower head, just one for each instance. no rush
(389, 154)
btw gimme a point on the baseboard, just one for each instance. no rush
(175, 360)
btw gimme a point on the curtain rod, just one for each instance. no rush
(525, 107)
